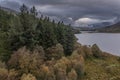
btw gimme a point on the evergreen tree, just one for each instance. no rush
(70, 39)
(66, 37)
(26, 31)
(40, 34)
(46, 35)
(24, 9)
(33, 11)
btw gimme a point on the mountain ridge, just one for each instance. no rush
(115, 28)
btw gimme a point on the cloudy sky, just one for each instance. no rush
(78, 11)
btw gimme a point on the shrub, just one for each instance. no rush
(87, 51)
(118, 59)
(63, 64)
(61, 68)
(96, 51)
(55, 52)
(72, 75)
(81, 51)
(77, 45)
(78, 64)
(8, 75)
(13, 75)
(28, 77)
(2, 64)
(15, 57)
(61, 75)
(3, 74)
(26, 61)
(40, 51)
(44, 71)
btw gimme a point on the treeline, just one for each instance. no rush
(25, 29)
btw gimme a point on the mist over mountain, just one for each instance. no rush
(95, 23)
(84, 21)
(95, 14)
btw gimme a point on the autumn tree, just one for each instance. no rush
(28, 77)
(27, 61)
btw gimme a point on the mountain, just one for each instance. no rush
(100, 25)
(96, 25)
(107, 23)
(113, 28)
(9, 10)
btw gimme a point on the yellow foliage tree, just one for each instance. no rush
(28, 77)
(72, 75)
(8, 75)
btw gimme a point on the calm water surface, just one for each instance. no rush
(108, 42)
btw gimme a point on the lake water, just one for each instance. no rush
(108, 42)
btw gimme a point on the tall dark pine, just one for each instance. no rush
(70, 39)
(45, 34)
(40, 34)
(26, 33)
(61, 34)
(24, 17)
(50, 36)
(33, 11)
(66, 37)
(24, 9)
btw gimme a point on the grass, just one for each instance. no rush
(102, 69)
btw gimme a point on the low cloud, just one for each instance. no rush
(94, 10)
(85, 22)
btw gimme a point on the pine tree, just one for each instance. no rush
(33, 11)
(70, 39)
(26, 32)
(24, 9)
(46, 34)
(60, 31)
(66, 37)
(40, 34)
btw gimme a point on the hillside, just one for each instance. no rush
(33, 48)
(9, 10)
(113, 28)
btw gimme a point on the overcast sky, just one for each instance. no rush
(76, 10)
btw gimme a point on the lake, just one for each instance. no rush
(108, 42)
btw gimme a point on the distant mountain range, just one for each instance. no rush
(91, 27)
(103, 24)
(113, 28)
(8, 10)
(101, 27)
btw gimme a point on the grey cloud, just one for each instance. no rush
(96, 9)
(10, 4)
